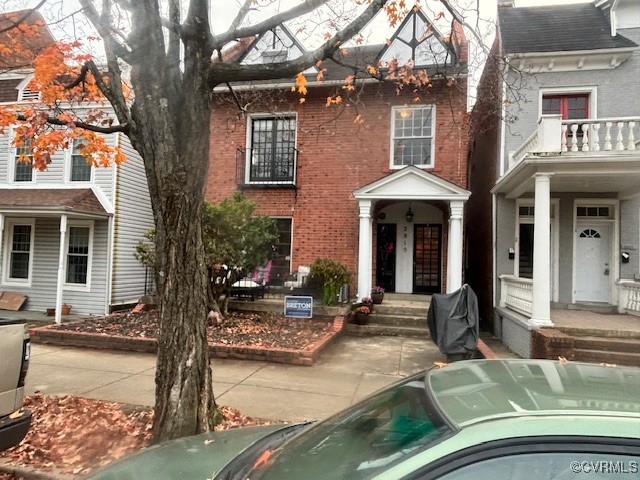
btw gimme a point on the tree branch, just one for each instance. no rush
(460, 19)
(225, 72)
(105, 31)
(85, 126)
(307, 6)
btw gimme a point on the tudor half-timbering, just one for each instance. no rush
(377, 181)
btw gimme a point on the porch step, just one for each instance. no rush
(609, 344)
(398, 309)
(600, 332)
(603, 356)
(603, 308)
(419, 321)
(391, 330)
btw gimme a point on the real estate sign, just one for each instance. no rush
(298, 306)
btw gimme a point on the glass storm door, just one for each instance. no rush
(427, 258)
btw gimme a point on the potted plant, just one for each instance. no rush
(332, 276)
(377, 294)
(361, 315)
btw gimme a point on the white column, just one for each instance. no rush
(454, 250)
(541, 309)
(364, 250)
(61, 257)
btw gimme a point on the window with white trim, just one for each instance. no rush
(78, 255)
(19, 251)
(80, 169)
(413, 132)
(272, 152)
(23, 168)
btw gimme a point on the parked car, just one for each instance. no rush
(14, 362)
(477, 419)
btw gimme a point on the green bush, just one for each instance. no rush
(331, 275)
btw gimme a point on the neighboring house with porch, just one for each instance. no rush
(67, 234)
(555, 166)
(377, 182)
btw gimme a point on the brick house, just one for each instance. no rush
(67, 234)
(555, 168)
(377, 183)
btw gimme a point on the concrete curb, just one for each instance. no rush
(49, 335)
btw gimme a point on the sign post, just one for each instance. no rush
(298, 306)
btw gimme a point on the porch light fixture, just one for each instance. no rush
(409, 215)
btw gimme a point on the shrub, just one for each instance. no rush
(331, 275)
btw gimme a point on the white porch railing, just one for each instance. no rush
(555, 135)
(629, 297)
(517, 294)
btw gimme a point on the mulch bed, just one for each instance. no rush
(73, 435)
(243, 329)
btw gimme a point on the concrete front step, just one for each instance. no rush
(392, 330)
(602, 356)
(609, 344)
(398, 320)
(391, 309)
(603, 308)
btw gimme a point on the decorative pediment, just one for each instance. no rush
(418, 39)
(412, 183)
(276, 45)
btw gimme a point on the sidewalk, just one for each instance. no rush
(348, 370)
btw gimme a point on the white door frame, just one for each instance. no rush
(614, 224)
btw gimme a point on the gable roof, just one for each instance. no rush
(26, 39)
(412, 183)
(418, 39)
(557, 28)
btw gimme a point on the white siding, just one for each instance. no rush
(133, 218)
(42, 293)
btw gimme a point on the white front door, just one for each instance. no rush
(593, 263)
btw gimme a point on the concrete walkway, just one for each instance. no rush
(350, 369)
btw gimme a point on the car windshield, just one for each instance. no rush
(362, 441)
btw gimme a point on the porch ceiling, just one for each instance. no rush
(51, 201)
(576, 173)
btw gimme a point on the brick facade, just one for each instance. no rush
(336, 156)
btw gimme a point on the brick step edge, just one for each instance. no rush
(604, 356)
(390, 330)
(307, 357)
(610, 344)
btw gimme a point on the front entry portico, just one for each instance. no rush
(418, 246)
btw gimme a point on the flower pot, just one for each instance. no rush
(360, 318)
(377, 298)
(66, 309)
(51, 312)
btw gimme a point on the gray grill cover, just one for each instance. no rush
(453, 322)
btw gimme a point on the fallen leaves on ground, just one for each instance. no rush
(74, 435)
(241, 329)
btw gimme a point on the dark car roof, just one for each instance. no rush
(556, 29)
(475, 390)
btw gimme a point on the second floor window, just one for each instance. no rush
(80, 169)
(413, 130)
(24, 164)
(272, 149)
(570, 106)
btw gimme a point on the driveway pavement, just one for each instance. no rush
(350, 369)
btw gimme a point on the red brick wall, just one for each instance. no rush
(336, 156)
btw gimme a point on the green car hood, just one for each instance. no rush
(198, 457)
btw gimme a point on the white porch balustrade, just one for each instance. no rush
(516, 294)
(629, 297)
(555, 135)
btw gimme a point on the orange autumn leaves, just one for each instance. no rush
(51, 123)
